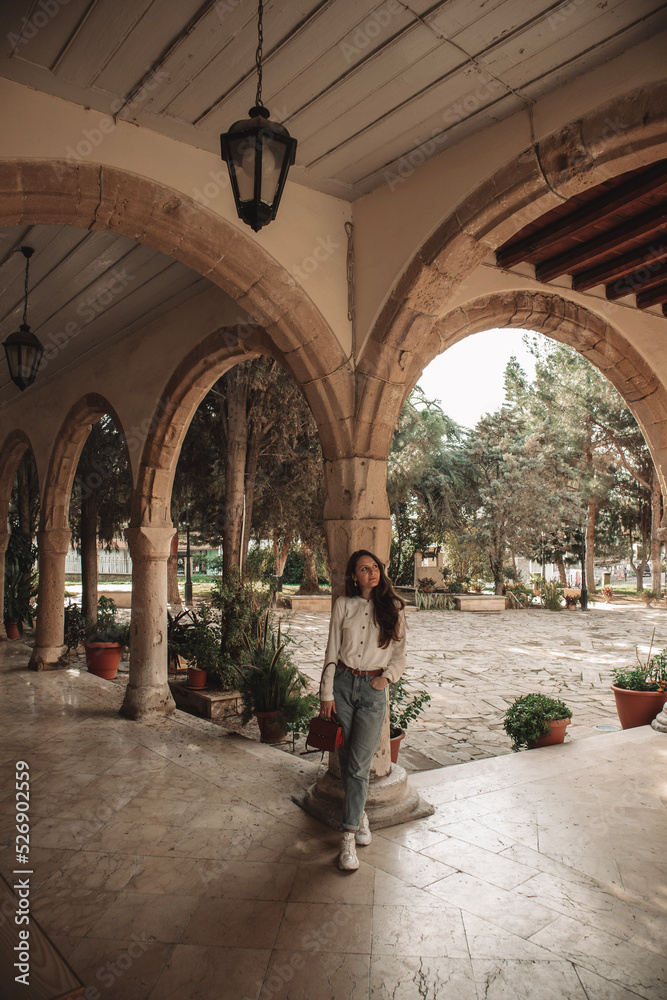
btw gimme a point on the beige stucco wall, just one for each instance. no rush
(392, 222)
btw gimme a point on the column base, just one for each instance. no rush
(49, 658)
(147, 700)
(660, 722)
(390, 800)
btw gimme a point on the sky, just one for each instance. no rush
(468, 378)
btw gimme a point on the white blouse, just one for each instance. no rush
(353, 638)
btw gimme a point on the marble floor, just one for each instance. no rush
(172, 864)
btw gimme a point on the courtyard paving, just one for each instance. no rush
(475, 664)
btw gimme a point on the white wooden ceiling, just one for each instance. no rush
(86, 289)
(359, 83)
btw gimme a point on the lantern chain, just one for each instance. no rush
(349, 229)
(258, 54)
(25, 299)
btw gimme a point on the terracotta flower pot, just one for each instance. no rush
(196, 678)
(103, 659)
(557, 734)
(395, 745)
(638, 708)
(12, 630)
(271, 727)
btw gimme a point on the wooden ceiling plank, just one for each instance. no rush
(613, 240)
(517, 250)
(653, 297)
(646, 277)
(617, 267)
(43, 47)
(102, 34)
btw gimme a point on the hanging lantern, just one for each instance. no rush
(23, 349)
(258, 154)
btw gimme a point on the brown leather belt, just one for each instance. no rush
(361, 673)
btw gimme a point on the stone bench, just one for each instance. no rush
(208, 704)
(308, 602)
(479, 602)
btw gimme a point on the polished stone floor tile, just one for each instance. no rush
(195, 972)
(315, 884)
(141, 914)
(415, 978)
(431, 931)
(249, 923)
(414, 867)
(338, 927)
(70, 911)
(249, 879)
(96, 870)
(486, 865)
(505, 909)
(119, 969)
(294, 975)
(499, 979)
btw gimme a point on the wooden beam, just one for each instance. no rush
(641, 280)
(618, 267)
(647, 299)
(594, 211)
(643, 225)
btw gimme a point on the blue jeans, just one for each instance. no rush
(361, 710)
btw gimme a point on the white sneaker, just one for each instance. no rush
(363, 835)
(347, 859)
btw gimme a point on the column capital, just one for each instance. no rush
(54, 541)
(148, 542)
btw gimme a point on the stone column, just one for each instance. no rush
(147, 692)
(50, 651)
(356, 516)
(4, 539)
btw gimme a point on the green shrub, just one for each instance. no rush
(527, 719)
(404, 708)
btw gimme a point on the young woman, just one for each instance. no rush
(365, 653)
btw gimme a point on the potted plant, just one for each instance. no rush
(20, 591)
(607, 593)
(74, 633)
(178, 633)
(199, 643)
(571, 601)
(647, 596)
(550, 593)
(271, 686)
(641, 692)
(403, 709)
(535, 720)
(105, 640)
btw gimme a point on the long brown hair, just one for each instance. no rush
(387, 605)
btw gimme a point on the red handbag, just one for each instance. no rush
(324, 733)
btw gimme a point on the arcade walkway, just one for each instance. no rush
(541, 875)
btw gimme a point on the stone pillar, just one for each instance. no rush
(50, 651)
(147, 692)
(356, 512)
(4, 539)
(356, 516)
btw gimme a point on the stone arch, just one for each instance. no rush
(578, 156)
(185, 390)
(65, 456)
(100, 197)
(565, 321)
(13, 447)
